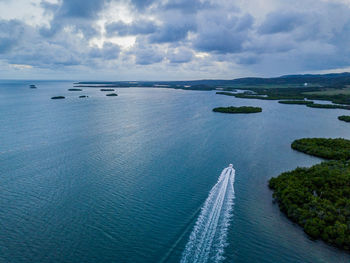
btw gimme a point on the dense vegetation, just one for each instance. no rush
(74, 89)
(335, 149)
(243, 109)
(295, 93)
(57, 97)
(344, 118)
(272, 94)
(328, 106)
(106, 89)
(299, 102)
(318, 199)
(337, 98)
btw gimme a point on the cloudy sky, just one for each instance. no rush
(172, 39)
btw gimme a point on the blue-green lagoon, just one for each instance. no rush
(123, 179)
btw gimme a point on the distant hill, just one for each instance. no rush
(322, 79)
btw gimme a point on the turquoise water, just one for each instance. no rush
(122, 179)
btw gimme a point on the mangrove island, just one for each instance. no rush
(106, 89)
(344, 118)
(297, 102)
(243, 109)
(328, 106)
(318, 198)
(74, 89)
(333, 149)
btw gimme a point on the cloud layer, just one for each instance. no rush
(133, 39)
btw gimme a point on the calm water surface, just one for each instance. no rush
(122, 179)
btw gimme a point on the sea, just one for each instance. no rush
(144, 177)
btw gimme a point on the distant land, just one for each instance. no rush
(314, 80)
(333, 87)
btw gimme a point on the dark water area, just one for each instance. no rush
(122, 179)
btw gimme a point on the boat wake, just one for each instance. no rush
(208, 237)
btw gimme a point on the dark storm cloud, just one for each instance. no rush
(45, 55)
(223, 34)
(76, 13)
(11, 33)
(138, 27)
(80, 8)
(107, 52)
(281, 22)
(172, 32)
(247, 60)
(22, 44)
(187, 6)
(147, 56)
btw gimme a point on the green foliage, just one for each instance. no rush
(106, 89)
(344, 118)
(243, 109)
(328, 106)
(318, 199)
(335, 98)
(246, 95)
(335, 149)
(299, 102)
(297, 93)
(74, 89)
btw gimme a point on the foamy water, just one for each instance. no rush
(208, 237)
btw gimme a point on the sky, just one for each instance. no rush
(172, 39)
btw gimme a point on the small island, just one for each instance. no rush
(58, 97)
(297, 102)
(332, 149)
(344, 118)
(74, 89)
(112, 94)
(328, 106)
(106, 89)
(243, 109)
(318, 198)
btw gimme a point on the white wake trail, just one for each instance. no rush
(208, 237)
